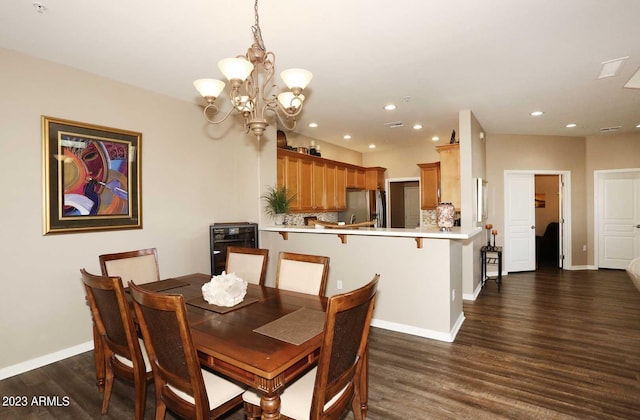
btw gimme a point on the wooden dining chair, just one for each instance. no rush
(302, 273)
(180, 384)
(124, 354)
(249, 264)
(140, 266)
(335, 385)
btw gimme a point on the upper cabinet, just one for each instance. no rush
(429, 185)
(374, 178)
(450, 174)
(321, 184)
(355, 177)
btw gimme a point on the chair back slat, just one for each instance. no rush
(140, 266)
(302, 273)
(249, 264)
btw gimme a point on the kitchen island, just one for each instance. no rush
(420, 287)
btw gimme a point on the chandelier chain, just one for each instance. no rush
(257, 33)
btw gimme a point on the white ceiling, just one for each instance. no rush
(500, 58)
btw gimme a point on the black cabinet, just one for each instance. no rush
(222, 235)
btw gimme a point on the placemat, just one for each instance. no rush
(162, 285)
(296, 327)
(199, 302)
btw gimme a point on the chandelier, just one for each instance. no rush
(250, 91)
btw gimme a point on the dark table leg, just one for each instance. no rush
(499, 278)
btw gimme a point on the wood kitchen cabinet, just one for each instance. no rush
(321, 184)
(429, 185)
(374, 178)
(450, 174)
(355, 177)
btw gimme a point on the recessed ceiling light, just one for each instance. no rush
(536, 113)
(346, 137)
(390, 107)
(372, 146)
(638, 126)
(417, 126)
(571, 125)
(435, 138)
(313, 125)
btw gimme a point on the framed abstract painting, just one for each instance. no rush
(91, 177)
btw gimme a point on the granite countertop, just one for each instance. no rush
(421, 232)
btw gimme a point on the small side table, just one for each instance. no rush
(491, 255)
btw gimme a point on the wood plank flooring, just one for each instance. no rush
(551, 345)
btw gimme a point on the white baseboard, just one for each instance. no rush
(421, 332)
(474, 295)
(28, 365)
(581, 267)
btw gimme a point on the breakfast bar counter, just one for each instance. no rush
(420, 286)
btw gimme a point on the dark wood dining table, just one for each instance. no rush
(227, 343)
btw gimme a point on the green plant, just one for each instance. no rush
(278, 200)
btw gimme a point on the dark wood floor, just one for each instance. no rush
(551, 345)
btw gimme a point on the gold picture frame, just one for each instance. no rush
(91, 177)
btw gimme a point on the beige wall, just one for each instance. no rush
(539, 153)
(581, 156)
(403, 161)
(472, 166)
(327, 150)
(192, 175)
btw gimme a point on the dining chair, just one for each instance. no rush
(140, 265)
(124, 354)
(181, 385)
(328, 390)
(302, 273)
(249, 264)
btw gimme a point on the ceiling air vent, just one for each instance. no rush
(610, 129)
(394, 124)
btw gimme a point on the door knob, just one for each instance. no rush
(638, 226)
(533, 227)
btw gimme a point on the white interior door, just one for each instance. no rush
(520, 237)
(619, 221)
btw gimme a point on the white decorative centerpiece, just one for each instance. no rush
(224, 290)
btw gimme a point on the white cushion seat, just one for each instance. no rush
(295, 400)
(219, 390)
(145, 357)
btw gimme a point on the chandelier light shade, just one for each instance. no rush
(296, 78)
(250, 79)
(235, 68)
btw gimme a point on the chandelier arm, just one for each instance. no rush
(285, 122)
(269, 65)
(286, 111)
(214, 109)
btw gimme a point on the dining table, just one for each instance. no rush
(265, 342)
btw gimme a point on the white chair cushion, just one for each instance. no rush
(140, 270)
(145, 357)
(634, 272)
(219, 390)
(295, 400)
(299, 276)
(246, 266)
